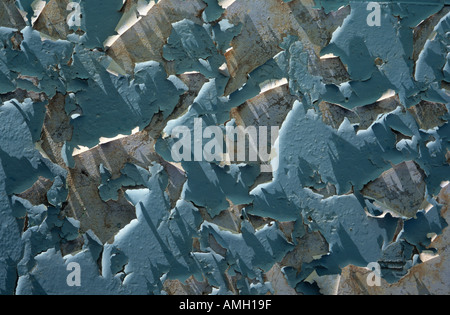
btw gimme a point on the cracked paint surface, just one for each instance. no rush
(360, 168)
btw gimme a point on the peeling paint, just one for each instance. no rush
(88, 121)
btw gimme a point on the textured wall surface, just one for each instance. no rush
(349, 196)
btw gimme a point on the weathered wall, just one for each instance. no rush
(92, 92)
